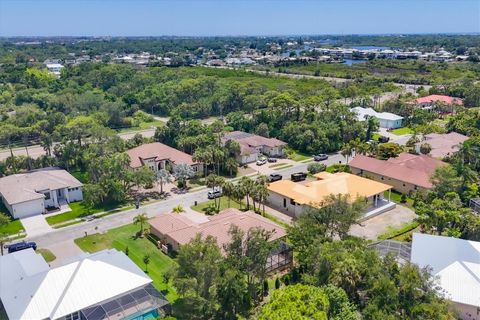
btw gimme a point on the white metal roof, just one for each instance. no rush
(362, 112)
(455, 261)
(29, 289)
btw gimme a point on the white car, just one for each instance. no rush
(261, 162)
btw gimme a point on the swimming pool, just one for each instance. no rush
(150, 315)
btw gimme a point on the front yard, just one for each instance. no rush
(11, 228)
(223, 205)
(79, 210)
(402, 131)
(124, 237)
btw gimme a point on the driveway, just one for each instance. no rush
(63, 251)
(270, 167)
(373, 227)
(401, 140)
(35, 225)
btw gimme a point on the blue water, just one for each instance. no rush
(150, 315)
(349, 62)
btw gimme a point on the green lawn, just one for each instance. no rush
(143, 125)
(375, 136)
(47, 254)
(13, 227)
(79, 210)
(397, 198)
(123, 237)
(223, 204)
(296, 155)
(401, 233)
(402, 131)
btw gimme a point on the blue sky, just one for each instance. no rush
(233, 17)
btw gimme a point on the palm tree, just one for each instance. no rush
(215, 182)
(347, 151)
(146, 260)
(163, 177)
(203, 156)
(140, 219)
(231, 165)
(228, 190)
(247, 185)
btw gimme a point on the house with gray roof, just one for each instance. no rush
(35, 192)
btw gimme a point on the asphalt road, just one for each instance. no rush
(126, 217)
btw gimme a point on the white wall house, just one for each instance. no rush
(456, 265)
(101, 285)
(387, 120)
(35, 192)
(253, 146)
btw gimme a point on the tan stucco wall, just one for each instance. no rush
(400, 186)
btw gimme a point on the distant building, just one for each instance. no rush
(158, 156)
(434, 100)
(32, 193)
(406, 173)
(252, 146)
(387, 120)
(294, 198)
(102, 285)
(54, 68)
(443, 145)
(456, 264)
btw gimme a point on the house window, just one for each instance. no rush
(383, 178)
(284, 202)
(415, 187)
(47, 195)
(292, 202)
(404, 184)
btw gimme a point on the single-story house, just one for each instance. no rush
(405, 173)
(175, 230)
(32, 193)
(158, 156)
(252, 146)
(294, 198)
(102, 285)
(387, 120)
(432, 101)
(456, 264)
(443, 145)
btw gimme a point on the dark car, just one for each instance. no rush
(272, 159)
(214, 194)
(320, 157)
(21, 246)
(274, 177)
(299, 176)
(383, 139)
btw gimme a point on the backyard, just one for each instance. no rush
(124, 237)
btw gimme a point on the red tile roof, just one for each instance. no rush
(218, 226)
(159, 151)
(443, 144)
(440, 98)
(410, 168)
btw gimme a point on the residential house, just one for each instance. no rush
(252, 146)
(294, 198)
(442, 145)
(102, 285)
(435, 100)
(32, 193)
(406, 173)
(158, 156)
(456, 265)
(387, 120)
(175, 230)
(54, 68)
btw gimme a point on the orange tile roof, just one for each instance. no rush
(218, 226)
(159, 151)
(339, 183)
(410, 168)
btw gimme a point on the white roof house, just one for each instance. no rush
(29, 289)
(456, 263)
(387, 120)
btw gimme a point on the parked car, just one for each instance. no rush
(261, 162)
(214, 194)
(298, 176)
(20, 246)
(383, 139)
(272, 160)
(274, 177)
(320, 157)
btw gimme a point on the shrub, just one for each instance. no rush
(277, 283)
(403, 198)
(316, 167)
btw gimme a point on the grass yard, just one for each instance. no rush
(402, 131)
(123, 237)
(47, 254)
(223, 204)
(13, 227)
(397, 198)
(375, 136)
(79, 210)
(402, 233)
(142, 126)
(296, 155)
